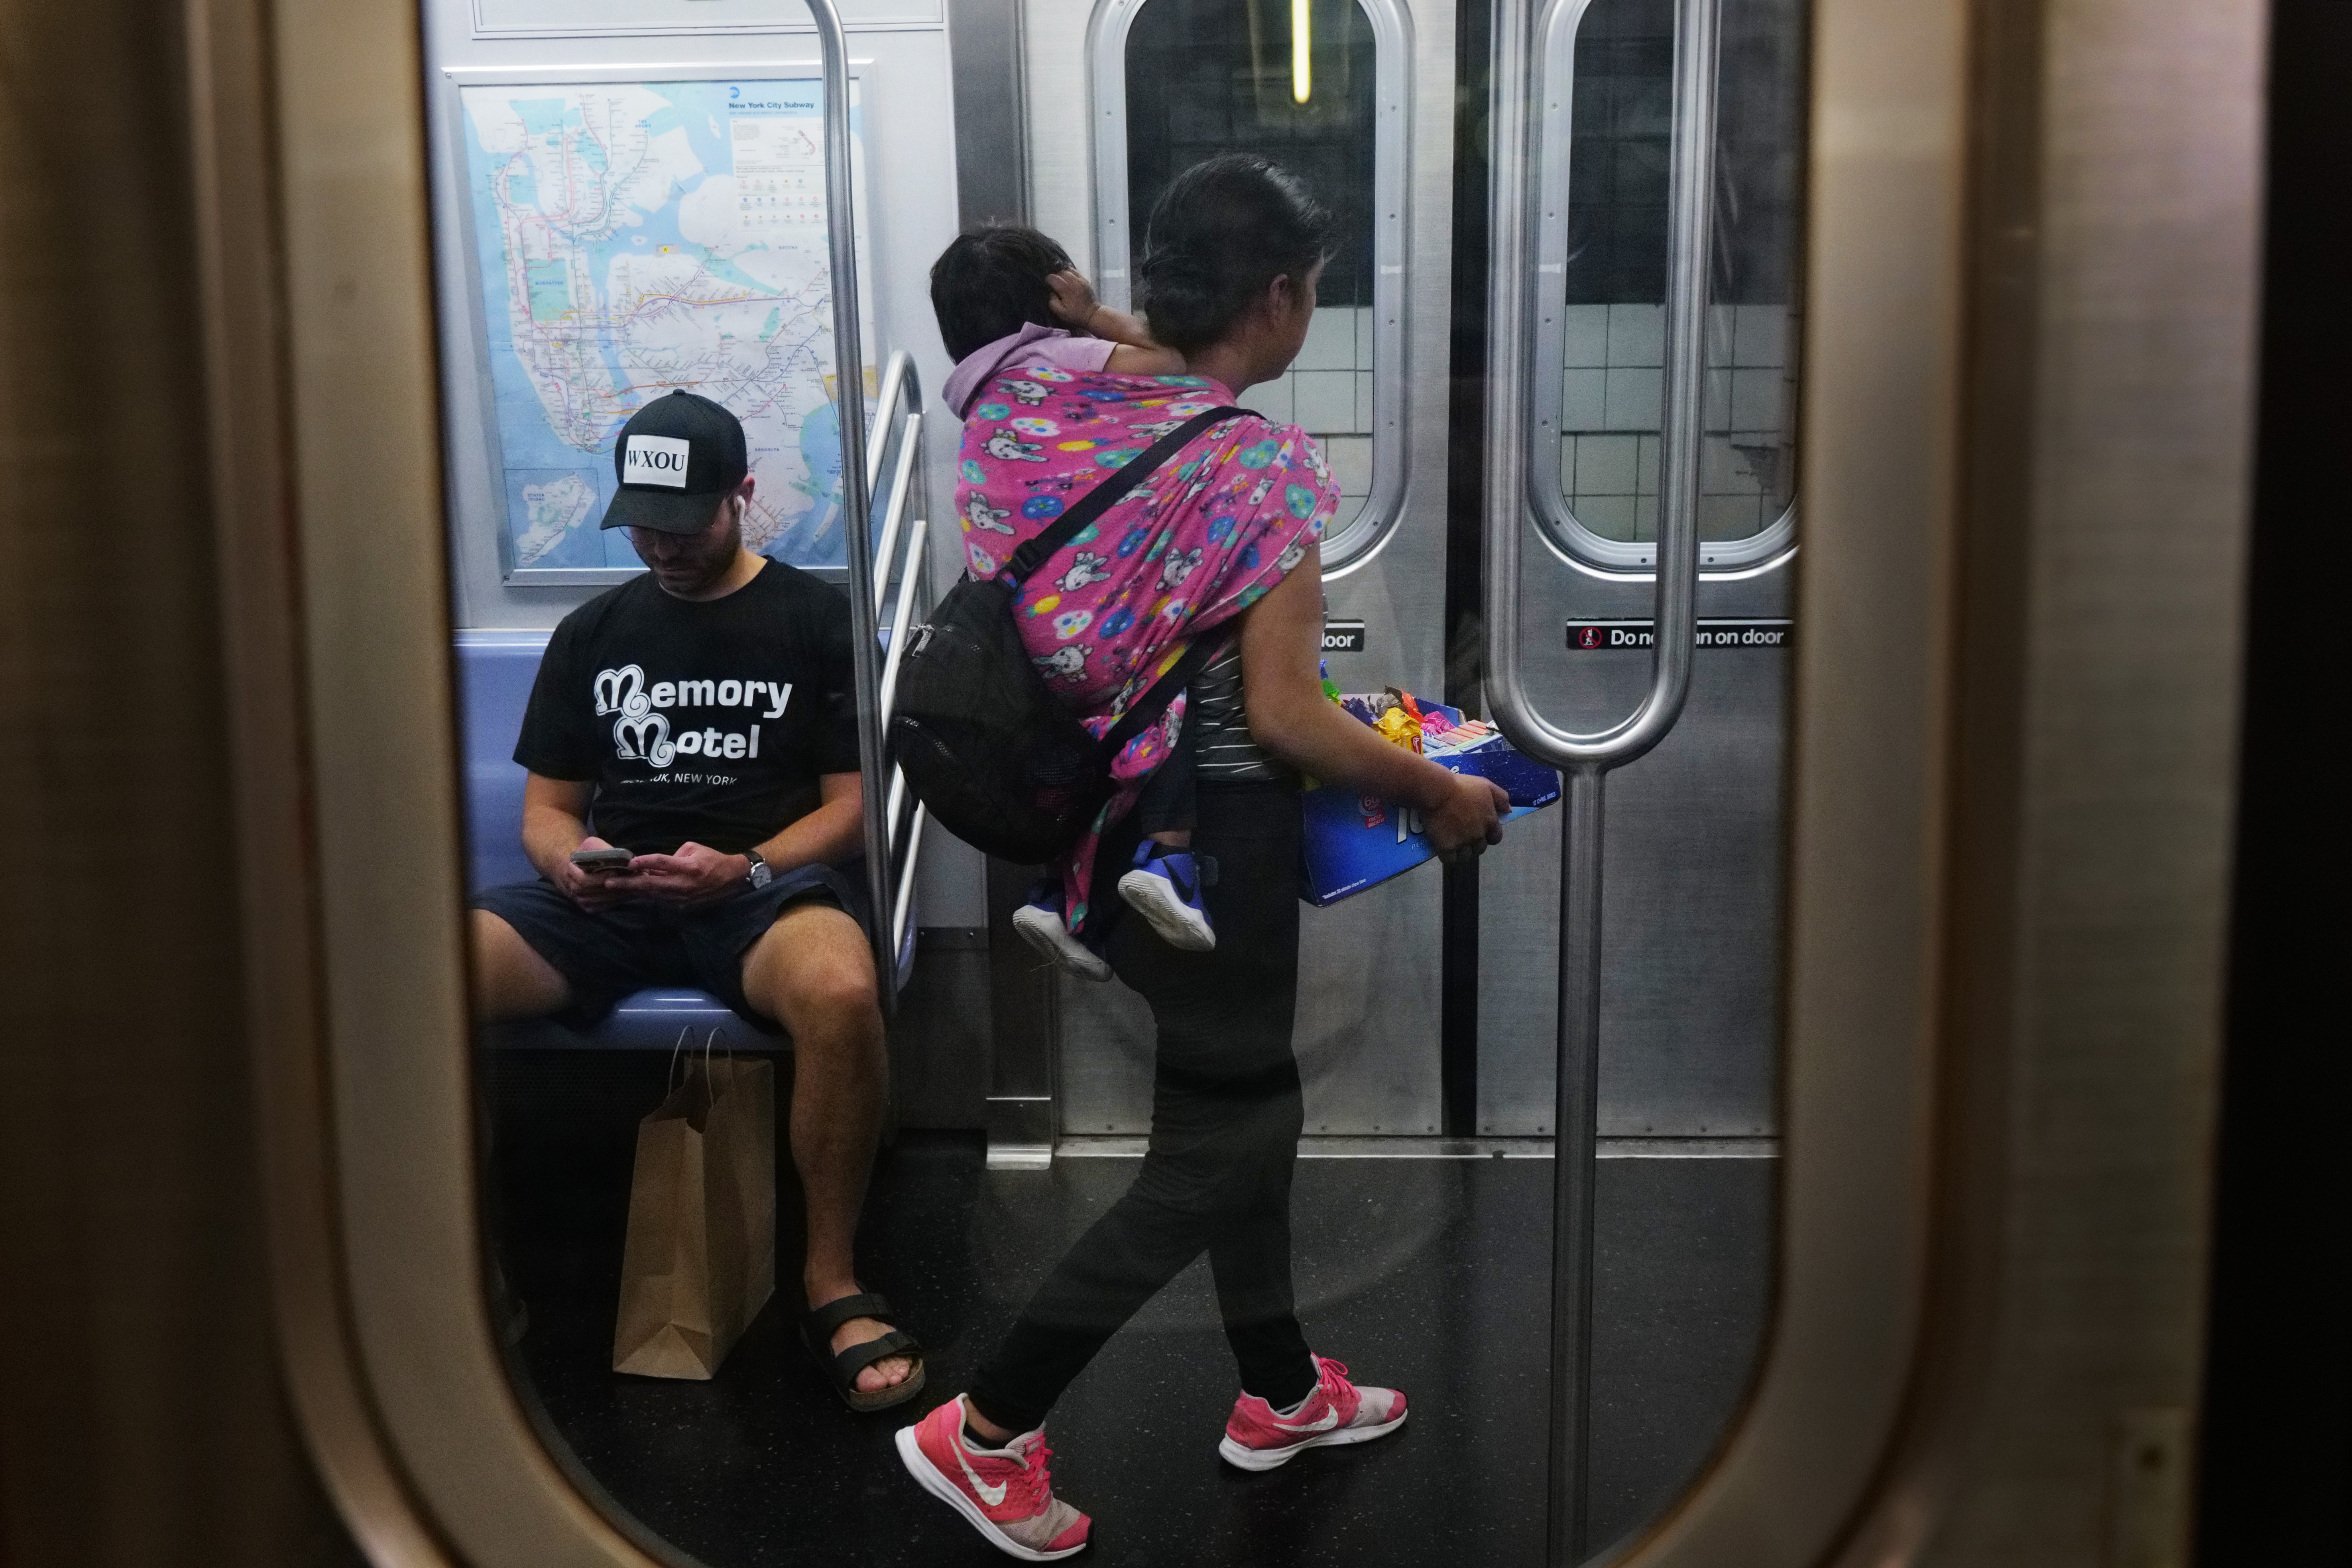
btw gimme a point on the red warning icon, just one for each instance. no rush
(1588, 636)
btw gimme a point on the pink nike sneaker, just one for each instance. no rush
(1007, 1494)
(1337, 1412)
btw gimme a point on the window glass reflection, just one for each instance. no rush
(1207, 76)
(766, 1463)
(1613, 343)
(1612, 320)
(1748, 463)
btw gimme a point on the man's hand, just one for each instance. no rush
(696, 875)
(595, 890)
(1467, 818)
(1074, 299)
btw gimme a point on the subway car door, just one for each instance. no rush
(1119, 95)
(1691, 894)
(1360, 96)
(1620, 107)
(1357, 96)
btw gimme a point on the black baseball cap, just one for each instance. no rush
(675, 457)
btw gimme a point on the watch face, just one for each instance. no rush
(761, 873)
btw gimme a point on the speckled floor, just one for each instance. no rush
(1428, 1274)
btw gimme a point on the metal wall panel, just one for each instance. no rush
(1061, 199)
(1104, 1035)
(1366, 1033)
(1691, 891)
(1367, 1004)
(993, 156)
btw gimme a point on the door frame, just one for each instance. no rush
(1923, 987)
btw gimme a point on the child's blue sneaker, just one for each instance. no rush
(1039, 921)
(1165, 889)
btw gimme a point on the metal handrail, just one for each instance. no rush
(899, 556)
(1588, 756)
(1676, 581)
(898, 378)
(856, 484)
(902, 488)
(902, 617)
(904, 555)
(896, 800)
(905, 900)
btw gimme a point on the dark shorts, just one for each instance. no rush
(613, 953)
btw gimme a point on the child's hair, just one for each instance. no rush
(991, 282)
(1222, 232)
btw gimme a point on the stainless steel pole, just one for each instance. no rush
(857, 494)
(1587, 757)
(1575, 1115)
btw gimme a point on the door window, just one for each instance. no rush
(1608, 141)
(1318, 87)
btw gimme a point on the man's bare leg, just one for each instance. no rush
(511, 979)
(813, 973)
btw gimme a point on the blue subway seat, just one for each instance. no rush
(648, 1021)
(495, 671)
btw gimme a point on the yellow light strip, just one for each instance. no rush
(1302, 50)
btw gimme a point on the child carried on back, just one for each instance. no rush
(1007, 295)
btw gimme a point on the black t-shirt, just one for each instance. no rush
(707, 721)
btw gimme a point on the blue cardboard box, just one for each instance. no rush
(1355, 841)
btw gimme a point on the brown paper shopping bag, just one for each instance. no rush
(700, 1258)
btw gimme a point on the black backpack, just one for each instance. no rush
(983, 741)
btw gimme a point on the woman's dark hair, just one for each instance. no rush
(1222, 232)
(991, 282)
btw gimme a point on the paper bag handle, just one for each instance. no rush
(669, 1079)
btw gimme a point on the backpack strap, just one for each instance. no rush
(1099, 500)
(1153, 703)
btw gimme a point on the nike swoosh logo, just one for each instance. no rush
(1330, 1418)
(993, 1496)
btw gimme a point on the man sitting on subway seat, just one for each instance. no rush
(702, 719)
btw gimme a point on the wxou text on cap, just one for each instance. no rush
(675, 458)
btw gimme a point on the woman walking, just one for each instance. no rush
(1222, 541)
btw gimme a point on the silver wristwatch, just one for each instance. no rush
(762, 872)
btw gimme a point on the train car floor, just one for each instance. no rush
(1429, 1274)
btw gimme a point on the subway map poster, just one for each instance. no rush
(635, 238)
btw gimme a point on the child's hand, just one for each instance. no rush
(1136, 354)
(1074, 298)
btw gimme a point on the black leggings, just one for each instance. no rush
(1225, 1119)
(1169, 801)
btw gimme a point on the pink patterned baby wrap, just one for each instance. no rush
(1194, 545)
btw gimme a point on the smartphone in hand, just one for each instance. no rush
(602, 859)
